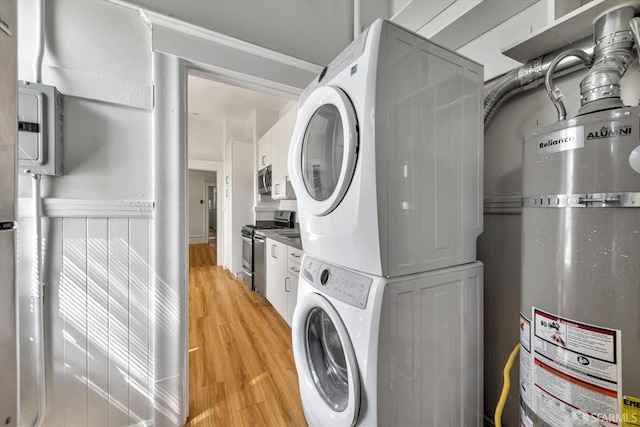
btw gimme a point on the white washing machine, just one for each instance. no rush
(372, 351)
(386, 156)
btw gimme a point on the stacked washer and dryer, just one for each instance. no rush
(386, 162)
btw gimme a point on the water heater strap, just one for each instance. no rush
(590, 200)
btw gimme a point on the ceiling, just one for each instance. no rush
(210, 100)
(312, 30)
(210, 103)
(315, 31)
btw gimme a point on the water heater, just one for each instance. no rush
(580, 301)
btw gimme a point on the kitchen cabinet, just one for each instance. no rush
(238, 200)
(291, 287)
(280, 142)
(264, 150)
(276, 274)
(283, 268)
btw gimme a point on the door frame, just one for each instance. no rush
(178, 47)
(206, 185)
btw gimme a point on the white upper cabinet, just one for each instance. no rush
(273, 149)
(264, 150)
(281, 140)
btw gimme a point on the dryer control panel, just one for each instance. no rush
(335, 282)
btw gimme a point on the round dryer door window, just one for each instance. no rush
(322, 152)
(325, 146)
(326, 362)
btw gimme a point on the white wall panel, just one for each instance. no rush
(140, 396)
(499, 250)
(118, 322)
(73, 310)
(54, 324)
(98, 317)
(94, 50)
(98, 325)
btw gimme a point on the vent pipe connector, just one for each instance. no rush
(554, 92)
(600, 90)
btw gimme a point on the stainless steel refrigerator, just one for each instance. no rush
(8, 330)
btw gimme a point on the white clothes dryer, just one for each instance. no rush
(386, 156)
(373, 351)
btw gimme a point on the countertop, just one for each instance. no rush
(280, 235)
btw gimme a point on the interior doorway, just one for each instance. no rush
(211, 218)
(249, 66)
(217, 113)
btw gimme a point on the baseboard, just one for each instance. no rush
(197, 239)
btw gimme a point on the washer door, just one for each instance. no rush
(324, 150)
(326, 362)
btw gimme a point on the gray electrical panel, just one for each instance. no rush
(40, 112)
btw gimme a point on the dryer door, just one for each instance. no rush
(324, 148)
(326, 362)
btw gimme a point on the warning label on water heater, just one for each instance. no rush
(525, 361)
(576, 372)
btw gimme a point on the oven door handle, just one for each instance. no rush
(247, 239)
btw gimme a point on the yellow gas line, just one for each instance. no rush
(497, 418)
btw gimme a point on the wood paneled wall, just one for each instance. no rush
(98, 322)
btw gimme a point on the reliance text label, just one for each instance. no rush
(561, 140)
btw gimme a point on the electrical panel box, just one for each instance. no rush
(40, 113)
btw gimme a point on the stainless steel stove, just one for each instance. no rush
(250, 263)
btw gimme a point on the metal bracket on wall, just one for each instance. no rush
(591, 200)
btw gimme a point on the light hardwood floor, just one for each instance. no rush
(241, 368)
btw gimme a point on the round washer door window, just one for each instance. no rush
(324, 150)
(326, 358)
(326, 361)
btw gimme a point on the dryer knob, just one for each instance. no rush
(324, 277)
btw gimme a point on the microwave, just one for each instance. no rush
(264, 180)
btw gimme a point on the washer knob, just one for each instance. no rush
(324, 277)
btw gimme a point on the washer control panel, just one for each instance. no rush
(343, 285)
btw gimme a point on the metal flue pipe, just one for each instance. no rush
(600, 90)
(614, 36)
(531, 75)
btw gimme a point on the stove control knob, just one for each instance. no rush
(324, 277)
